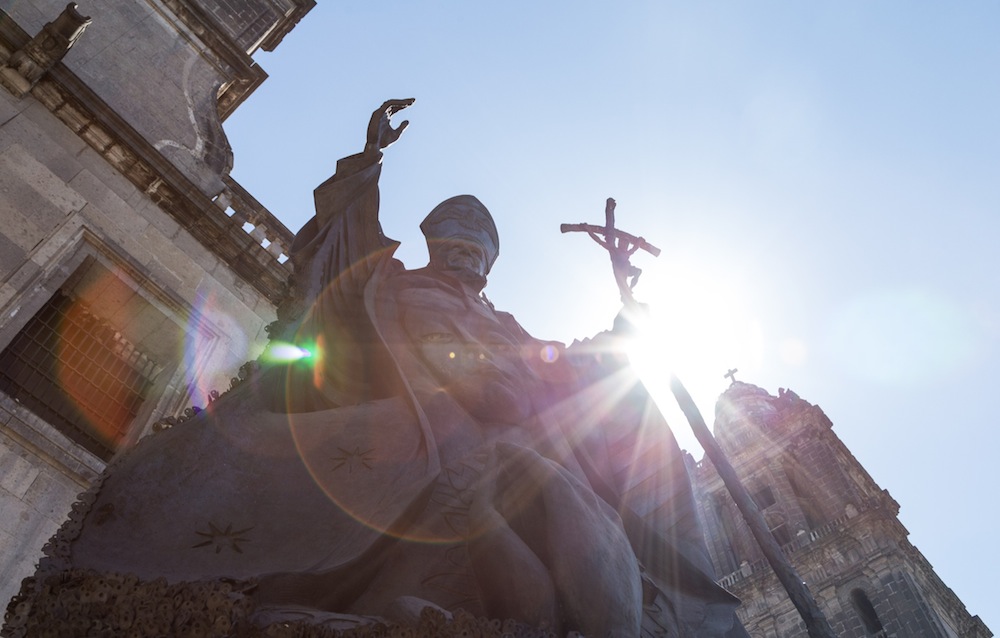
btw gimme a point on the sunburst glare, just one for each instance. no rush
(698, 327)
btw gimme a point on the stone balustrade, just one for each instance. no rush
(255, 219)
(790, 548)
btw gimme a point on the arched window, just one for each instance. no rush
(866, 611)
(806, 494)
(725, 517)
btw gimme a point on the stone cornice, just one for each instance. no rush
(274, 38)
(248, 76)
(201, 25)
(86, 114)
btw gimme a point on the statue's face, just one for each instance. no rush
(458, 254)
(459, 245)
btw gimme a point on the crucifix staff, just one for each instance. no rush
(622, 246)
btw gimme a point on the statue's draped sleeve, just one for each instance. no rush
(337, 257)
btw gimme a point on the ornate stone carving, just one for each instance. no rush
(27, 65)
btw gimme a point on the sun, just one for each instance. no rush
(699, 326)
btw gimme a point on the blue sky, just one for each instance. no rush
(823, 179)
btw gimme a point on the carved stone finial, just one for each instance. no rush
(27, 65)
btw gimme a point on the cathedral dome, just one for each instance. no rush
(742, 415)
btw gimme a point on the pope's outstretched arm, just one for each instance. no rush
(357, 172)
(347, 204)
(335, 257)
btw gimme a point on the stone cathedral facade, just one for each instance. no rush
(837, 526)
(136, 276)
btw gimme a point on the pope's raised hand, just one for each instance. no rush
(380, 131)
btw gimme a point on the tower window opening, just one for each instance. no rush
(866, 611)
(781, 534)
(764, 498)
(806, 497)
(725, 517)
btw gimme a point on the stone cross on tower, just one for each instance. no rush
(731, 375)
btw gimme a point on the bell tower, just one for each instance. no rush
(837, 526)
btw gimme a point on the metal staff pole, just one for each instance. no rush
(621, 247)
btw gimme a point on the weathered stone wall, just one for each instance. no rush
(58, 196)
(149, 67)
(43, 472)
(901, 607)
(61, 204)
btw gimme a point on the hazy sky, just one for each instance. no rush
(823, 179)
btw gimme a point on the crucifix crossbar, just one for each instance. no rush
(620, 245)
(606, 234)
